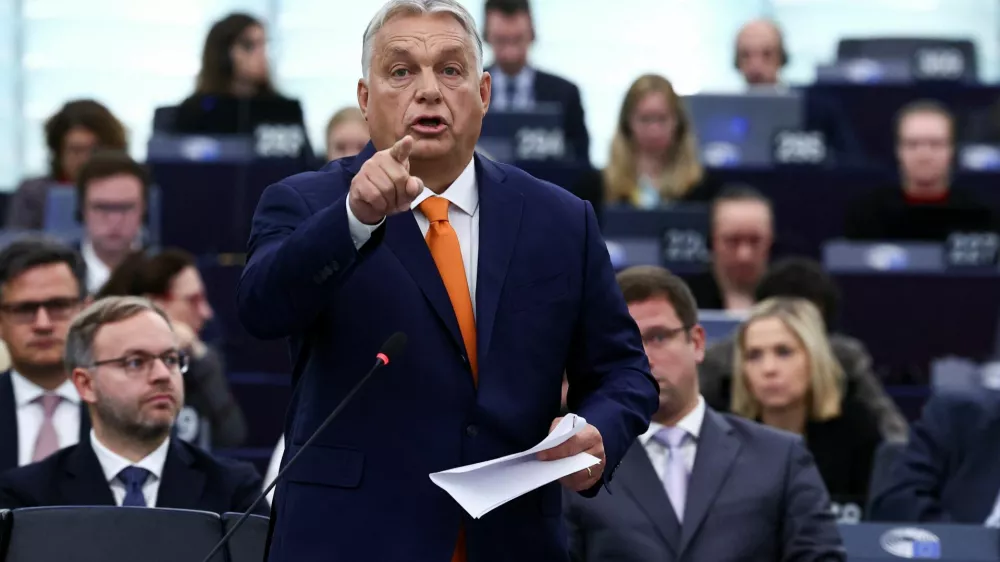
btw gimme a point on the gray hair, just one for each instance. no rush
(109, 310)
(394, 8)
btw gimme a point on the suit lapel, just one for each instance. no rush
(500, 209)
(182, 484)
(85, 483)
(8, 424)
(640, 481)
(717, 450)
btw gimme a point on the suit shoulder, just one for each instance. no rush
(555, 80)
(224, 466)
(323, 185)
(533, 187)
(970, 407)
(39, 472)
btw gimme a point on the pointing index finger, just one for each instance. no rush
(400, 151)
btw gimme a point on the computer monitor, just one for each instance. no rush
(739, 129)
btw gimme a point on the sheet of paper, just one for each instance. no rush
(482, 487)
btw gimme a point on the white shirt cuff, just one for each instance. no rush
(360, 232)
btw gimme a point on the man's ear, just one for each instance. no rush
(486, 90)
(363, 97)
(84, 383)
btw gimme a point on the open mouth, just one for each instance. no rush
(429, 125)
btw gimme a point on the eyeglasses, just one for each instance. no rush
(659, 337)
(27, 311)
(140, 364)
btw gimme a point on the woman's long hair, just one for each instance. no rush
(683, 169)
(217, 68)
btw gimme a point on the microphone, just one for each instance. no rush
(392, 348)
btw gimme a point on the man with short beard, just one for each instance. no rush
(124, 359)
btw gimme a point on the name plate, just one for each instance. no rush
(279, 141)
(684, 247)
(939, 63)
(795, 147)
(972, 250)
(538, 143)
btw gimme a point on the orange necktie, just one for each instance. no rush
(443, 243)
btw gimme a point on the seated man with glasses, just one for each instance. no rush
(42, 286)
(699, 485)
(124, 359)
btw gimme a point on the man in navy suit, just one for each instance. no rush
(518, 86)
(950, 469)
(127, 366)
(700, 485)
(502, 283)
(42, 286)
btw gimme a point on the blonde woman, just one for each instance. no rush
(787, 377)
(654, 153)
(346, 133)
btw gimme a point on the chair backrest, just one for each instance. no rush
(247, 544)
(100, 534)
(885, 458)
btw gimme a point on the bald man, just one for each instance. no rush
(760, 52)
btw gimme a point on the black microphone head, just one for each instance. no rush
(393, 346)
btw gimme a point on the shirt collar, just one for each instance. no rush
(26, 392)
(691, 423)
(112, 463)
(462, 193)
(97, 271)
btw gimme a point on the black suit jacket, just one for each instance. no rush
(549, 88)
(8, 424)
(948, 472)
(192, 479)
(754, 494)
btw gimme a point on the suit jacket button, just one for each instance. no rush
(471, 431)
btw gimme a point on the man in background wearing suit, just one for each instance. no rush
(502, 283)
(950, 469)
(42, 286)
(700, 485)
(510, 31)
(126, 365)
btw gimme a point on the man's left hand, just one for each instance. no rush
(588, 440)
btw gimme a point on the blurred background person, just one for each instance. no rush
(805, 278)
(170, 279)
(925, 206)
(234, 92)
(654, 157)
(760, 53)
(518, 86)
(346, 133)
(113, 205)
(42, 286)
(71, 135)
(126, 365)
(785, 376)
(741, 237)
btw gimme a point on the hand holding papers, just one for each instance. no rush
(479, 488)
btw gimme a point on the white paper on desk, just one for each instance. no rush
(482, 487)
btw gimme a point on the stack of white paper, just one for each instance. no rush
(482, 487)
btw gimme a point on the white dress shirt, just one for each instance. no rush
(659, 454)
(30, 415)
(463, 214)
(112, 463)
(994, 519)
(97, 271)
(524, 90)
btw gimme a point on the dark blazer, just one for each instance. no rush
(844, 448)
(552, 88)
(192, 479)
(948, 472)
(754, 494)
(547, 303)
(8, 424)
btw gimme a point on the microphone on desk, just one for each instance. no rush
(391, 349)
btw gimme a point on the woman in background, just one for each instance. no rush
(654, 153)
(171, 280)
(72, 134)
(786, 376)
(346, 133)
(234, 92)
